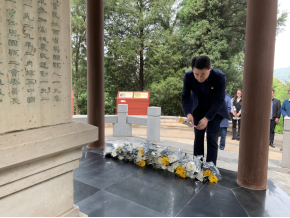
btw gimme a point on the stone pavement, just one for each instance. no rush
(227, 159)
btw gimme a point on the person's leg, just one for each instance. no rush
(198, 147)
(272, 129)
(212, 138)
(223, 131)
(234, 124)
(239, 129)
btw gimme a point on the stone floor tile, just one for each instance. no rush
(157, 189)
(105, 204)
(213, 201)
(82, 191)
(270, 202)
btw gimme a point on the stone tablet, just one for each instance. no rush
(35, 64)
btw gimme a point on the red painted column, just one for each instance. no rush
(95, 68)
(257, 88)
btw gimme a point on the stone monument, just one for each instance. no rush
(39, 144)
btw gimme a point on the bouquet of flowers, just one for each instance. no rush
(176, 162)
(183, 121)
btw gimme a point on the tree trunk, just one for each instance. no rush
(141, 50)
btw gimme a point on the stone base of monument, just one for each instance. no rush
(36, 169)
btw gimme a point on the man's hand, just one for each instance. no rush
(190, 119)
(276, 120)
(238, 114)
(202, 124)
(234, 114)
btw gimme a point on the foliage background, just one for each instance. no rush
(149, 45)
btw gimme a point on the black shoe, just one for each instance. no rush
(238, 139)
(281, 149)
(233, 138)
(271, 144)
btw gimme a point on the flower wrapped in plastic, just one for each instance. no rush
(212, 172)
(198, 167)
(183, 121)
(108, 149)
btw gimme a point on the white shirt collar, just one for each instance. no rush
(289, 99)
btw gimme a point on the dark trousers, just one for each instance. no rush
(212, 134)
(272, 129)
(236, 134)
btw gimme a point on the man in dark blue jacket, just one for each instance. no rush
(203, 103)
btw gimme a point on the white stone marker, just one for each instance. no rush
(153, 124)
(122, 128)
(286, 143)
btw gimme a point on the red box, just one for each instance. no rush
(138, 102)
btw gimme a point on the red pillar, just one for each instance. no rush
(257, 88)
(95, 68)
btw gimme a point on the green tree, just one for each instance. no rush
(141, 43)
(217, 28)
(167, 95)
(79, 54)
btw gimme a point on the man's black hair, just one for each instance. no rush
(273, 90)
(288, 90)
(201, 62)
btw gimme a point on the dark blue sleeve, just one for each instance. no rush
(283, 109)
(185, 97)
(219, 100)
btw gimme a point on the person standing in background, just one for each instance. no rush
(225, 123)
(274, 118)
(236, 112)
(285, 109)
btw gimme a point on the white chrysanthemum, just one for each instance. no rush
(170, 169)
(163, 167)
(135, 146)
(175, 165)
(190, 166)
(190, 175)
(159, 161)
(129, 157)
(108, 150)
(140, 147)
(158, 153)
(114, 153)
(120, 157)
(172, 158)
(129, 148)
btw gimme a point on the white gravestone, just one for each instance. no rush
(35, 68)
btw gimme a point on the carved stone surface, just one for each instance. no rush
(35, 64)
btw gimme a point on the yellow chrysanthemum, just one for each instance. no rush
(165, 161)
(141, 163)
(207, 173)
(119, 148)
(213, 179)
(142, 151)
(181, 172)
(181, 120)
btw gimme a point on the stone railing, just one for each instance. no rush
(286, 143)
(122, 123)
